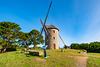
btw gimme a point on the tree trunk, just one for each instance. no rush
(3, 50)
(34, 47)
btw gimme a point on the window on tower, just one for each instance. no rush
(53, 37)
(53, 31)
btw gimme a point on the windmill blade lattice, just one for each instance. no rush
(46, 17)
(62, 40)
(47, 33)
(44, 26)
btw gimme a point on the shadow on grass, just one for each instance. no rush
(29, 55)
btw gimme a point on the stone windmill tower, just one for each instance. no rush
(53, 42)
(51, 34)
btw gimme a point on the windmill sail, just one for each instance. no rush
(62, 40)
(46, 17)
(47, 33)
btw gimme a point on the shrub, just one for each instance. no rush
(10, 49)
(92, 47)
(38, 47)
(31, 48)
(65, 47)
(84, 50)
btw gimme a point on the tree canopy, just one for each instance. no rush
(10, 34)
(92, 47)
(36, 38)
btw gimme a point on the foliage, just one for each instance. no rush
(10, 49)
(33, 37)
(36, 38)
(24, 39)
(31, 48)
(65, 47)
(2, 42)
(8, 33)
(92, 47)
(74, 46)
(38, 47)
(84, 50)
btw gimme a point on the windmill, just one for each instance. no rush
(51, 32)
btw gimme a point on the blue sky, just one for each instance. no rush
(78, 20)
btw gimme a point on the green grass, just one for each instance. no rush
(94, 54)
(94, 62)
(0, 47)
(56, 59)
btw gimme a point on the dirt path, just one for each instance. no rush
(82, 61)
(39, 59)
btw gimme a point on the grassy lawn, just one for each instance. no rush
(0, 47)
(94, 62)
(56, 59)
(98, 54)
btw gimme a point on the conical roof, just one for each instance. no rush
(52, 27)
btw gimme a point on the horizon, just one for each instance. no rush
(78, 21)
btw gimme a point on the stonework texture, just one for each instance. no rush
(53, 42)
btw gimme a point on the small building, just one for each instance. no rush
(53, 42)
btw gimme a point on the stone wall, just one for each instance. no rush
(52, 40)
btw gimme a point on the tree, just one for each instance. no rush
(74, 46)
(92, 47)
(8, 33)
(36, 38)
(65, 46)
(24, 39)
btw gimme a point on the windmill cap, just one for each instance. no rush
(52, 27)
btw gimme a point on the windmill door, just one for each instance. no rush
(53, 46)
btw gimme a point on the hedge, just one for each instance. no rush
(92, 47)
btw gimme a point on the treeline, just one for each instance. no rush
(11, 34)
(92, 47)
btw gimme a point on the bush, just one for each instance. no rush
(75, 46)
(10, 49)
(38, 47)
(31, 48)
(84, 50)
(65, 47)
(92, 47)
